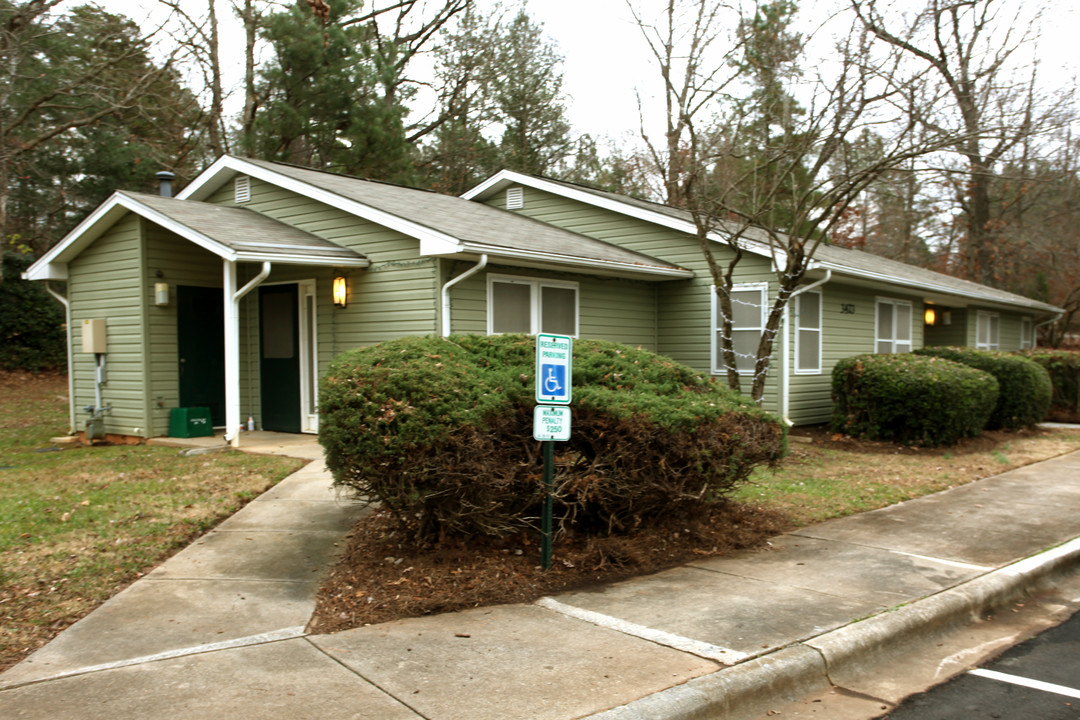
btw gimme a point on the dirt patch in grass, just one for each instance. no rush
(78, 525)
(380, 577)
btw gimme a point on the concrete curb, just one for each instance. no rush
(750, 688)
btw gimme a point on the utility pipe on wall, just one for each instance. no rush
(232, 345)
(446, 292)
(785, 363)
(70, 368)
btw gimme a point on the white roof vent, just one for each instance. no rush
(243, 189)
(515, 198)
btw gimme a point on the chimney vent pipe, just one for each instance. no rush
(165, 178)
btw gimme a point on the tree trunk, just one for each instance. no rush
(247, 121)
(217, 146)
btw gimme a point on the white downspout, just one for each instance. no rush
(785, 364)
(1035, 328)
(451, 283)
(232, 345)
(70, 370)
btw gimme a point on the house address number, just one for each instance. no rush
(847, 308)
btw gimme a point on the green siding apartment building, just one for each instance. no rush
(235, 294)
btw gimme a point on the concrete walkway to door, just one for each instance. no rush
(250, 581)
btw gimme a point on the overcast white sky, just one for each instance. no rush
(607, 61)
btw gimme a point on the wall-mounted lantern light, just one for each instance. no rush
(161, 294)
(930, 316)
(341, 292)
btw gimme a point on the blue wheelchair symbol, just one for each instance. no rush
(553, 379)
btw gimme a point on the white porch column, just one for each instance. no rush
(232, 355)
(233, 296)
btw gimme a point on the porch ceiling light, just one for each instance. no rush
(341, 292)
(930, 317)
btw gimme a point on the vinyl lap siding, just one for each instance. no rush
(180, 262)
(395, 297)
(105, 281)
(617, 310)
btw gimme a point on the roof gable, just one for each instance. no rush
(234, 234)
(445, 225)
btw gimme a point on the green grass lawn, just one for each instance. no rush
(78, 524)
(833, 476)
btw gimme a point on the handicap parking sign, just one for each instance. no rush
(553, 379)
(553, 353)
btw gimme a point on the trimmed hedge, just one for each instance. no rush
(440, 432)
(1025, 390)
(910, 399)
(31, 322)
(1064, 369)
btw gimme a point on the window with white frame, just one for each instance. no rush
(808, 333)
(747, 323)
(987, 331)
(893, 322)
(1027, 333)
(531, 305)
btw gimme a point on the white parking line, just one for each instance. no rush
(1026, 682)
(706, 650)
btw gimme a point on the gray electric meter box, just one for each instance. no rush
(93, 336)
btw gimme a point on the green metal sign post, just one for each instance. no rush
(551, 420)
(549, 489)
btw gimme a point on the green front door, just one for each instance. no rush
(279, 357)
(200, 342)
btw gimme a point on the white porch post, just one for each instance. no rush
(232, 345)
(232, 355)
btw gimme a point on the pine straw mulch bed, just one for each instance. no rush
(381, 578)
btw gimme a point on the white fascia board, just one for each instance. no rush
(579, 262)
(48, 266)
(432, 241)
(302, 259)
(509, 177)
(202, 179)
(49, 271)
(929, 287)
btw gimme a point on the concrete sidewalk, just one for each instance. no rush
(219, 628)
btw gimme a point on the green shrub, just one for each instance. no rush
(910, 399)
(440, 432)
(1064, 369)
(1024, 396)
(31, 321)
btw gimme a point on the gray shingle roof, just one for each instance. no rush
(855, 262)
(250, 235)
(480, 227)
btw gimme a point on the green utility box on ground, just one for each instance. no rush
(190, 422)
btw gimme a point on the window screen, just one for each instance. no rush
(746, 327)
(808, 332)
(511, 307)
(558, 306)
(893, 326)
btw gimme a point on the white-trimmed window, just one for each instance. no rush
(893, 326)
(531, 305)
(747, 323)
(1027, 333)
(987, 331)
(808, 333)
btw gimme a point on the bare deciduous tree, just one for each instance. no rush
(975, 91)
